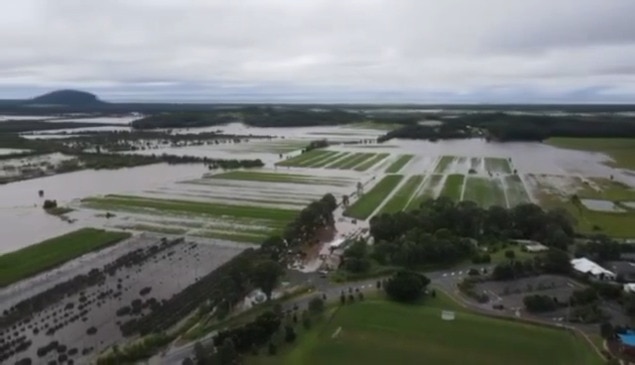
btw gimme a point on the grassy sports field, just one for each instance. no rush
(43, 256)
(399, 164)
(401, 198)
(621, 150)
(381, 332)
(371, 200)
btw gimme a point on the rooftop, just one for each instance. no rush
(587, 266)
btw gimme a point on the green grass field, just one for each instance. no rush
(382, 332)
(371, 200)
(43, 256)
(444, 164)
(401, 198)
(516, 193)
(497, 165)
(485, 192)
(153, 228)
(399, 164)
(303, 158)
(453, 187)
(372, 162)
(429, 189)
(187, 206)
(276, 177)
(621, 150)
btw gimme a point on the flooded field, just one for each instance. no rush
(82, 303)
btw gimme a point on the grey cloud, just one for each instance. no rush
(349, 49)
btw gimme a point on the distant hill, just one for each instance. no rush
(74, 98)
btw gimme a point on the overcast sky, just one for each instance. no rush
(322, 50)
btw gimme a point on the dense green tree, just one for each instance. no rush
(406, 286)
(557, 262)
(265, 275)
(316, 305)
(539, 303)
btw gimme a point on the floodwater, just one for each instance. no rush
(601, 205)
(103, 120)
(24, 222)
(526, 157)
(10, 151)
(165, 273)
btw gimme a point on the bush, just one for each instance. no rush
(316, 305)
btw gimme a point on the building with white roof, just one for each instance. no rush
(586, 266)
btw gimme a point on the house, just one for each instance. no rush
(588, 267)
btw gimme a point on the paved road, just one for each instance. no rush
(445, 279)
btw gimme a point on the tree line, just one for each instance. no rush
(442, 231)
(516, 127)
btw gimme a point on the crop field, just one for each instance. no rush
(350, 161)
(43, 256)
(430, 188)
(361, 158)
(453, 187)
(276, 177)
(497, 165)
(329, 159)
(444, 164)
(399, 164)
(485, 192)
(515, 190)
(316, 159)
(402, 197)
(185, 206)
(371, 162)
(621, 150)
(371, 200)
(304, 158)
(382, 332)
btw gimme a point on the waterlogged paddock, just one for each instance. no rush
(84, 321)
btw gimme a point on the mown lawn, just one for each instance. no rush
(43, 256)
(401, 198)
(621, 150)
(382, 332)
(399, 164)
(371, 200)
(187, 206)
(453, 187)
(485, 192)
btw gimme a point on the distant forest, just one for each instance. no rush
(514, 127)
